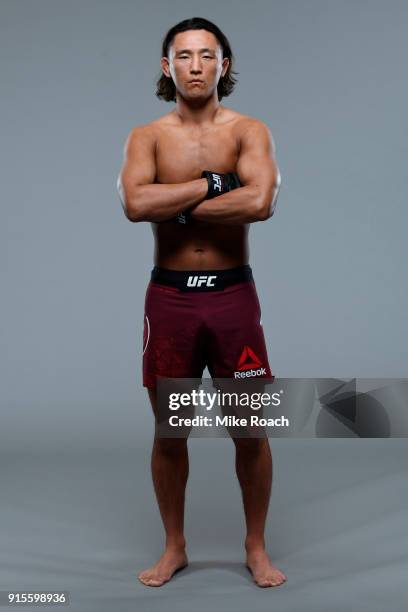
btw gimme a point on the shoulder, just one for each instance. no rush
(154, 128)
(246, 129)
(144, 130)
(144, 134)
(249, 128)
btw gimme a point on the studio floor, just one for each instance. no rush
(87, 523)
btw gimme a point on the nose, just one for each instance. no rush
(195, 67)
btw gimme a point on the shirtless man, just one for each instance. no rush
(200, 225)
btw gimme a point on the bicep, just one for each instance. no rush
(139, 164)
(257, 164)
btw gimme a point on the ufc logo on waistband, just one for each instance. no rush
(217, 182)
(198, 281)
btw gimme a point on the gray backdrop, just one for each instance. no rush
(79, 512)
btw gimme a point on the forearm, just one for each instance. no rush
(236, 207)
(159, 202)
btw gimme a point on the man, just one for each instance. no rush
(201, 174)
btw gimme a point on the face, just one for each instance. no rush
(195, 55)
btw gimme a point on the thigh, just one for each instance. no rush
(237, 347)
(172, 336)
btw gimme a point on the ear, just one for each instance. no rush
(165, 66)
(225, 64)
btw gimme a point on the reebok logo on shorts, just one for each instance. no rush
(249, 364)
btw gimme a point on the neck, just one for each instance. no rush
(197, 112)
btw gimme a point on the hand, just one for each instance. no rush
(220, 183)
(183, 217)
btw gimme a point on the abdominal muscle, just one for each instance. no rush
(200, 246)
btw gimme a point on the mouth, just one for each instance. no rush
(196, 82)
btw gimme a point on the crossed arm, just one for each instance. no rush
(144, 200)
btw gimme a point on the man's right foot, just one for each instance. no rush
(171, 561)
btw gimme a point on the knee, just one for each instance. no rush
(172, 447)
(251, 446)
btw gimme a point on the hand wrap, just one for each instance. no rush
(217, 185)
(220, 183)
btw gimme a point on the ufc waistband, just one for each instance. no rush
(201, 280)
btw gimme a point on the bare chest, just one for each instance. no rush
(182, 155)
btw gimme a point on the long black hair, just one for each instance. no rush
(165, 88)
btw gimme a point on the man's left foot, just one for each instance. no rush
(265, 574)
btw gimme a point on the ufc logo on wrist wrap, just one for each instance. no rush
(217, 182)
(198, 281)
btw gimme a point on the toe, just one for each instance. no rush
(262, 582)
(153, 582)
(269, 581)
(148, 579)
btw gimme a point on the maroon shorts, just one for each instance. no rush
(195, 319)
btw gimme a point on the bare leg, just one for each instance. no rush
(254, 471)
(170, 472)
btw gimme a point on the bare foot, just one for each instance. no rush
(171, 561)
(265, 574)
